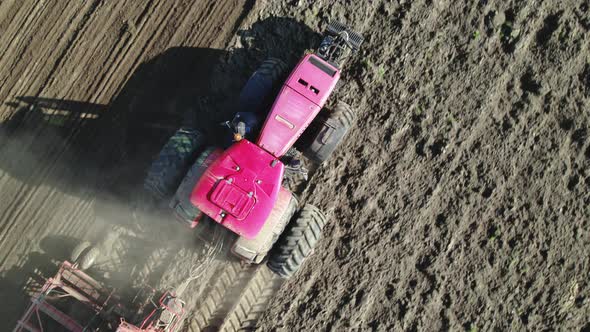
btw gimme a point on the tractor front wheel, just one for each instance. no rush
(329, 132)
(297, 241)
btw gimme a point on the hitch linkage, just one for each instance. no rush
(337, 40)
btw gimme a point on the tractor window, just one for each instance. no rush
(305, 84)
(302, 82)
(322, 66)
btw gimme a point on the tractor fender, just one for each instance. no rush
(255, 250)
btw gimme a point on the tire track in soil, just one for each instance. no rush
(85, 51)
(477, 129)
(226, 285)
(253, 301)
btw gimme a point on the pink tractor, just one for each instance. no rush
(242, 187)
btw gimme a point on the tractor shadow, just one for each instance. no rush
(111, 146)
(28, 274)
(101, 153)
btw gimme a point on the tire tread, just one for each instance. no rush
(297, 242)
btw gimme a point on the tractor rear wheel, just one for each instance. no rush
(180, 203)
(329, 132)
(297, 241)
(173, 162)
(259, 91)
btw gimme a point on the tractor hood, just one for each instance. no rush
(300, 100)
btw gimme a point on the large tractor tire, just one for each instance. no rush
(84, 254)
(329, 132)
(297, 242)
(79, 250)
(180, 203)
(255, 250)
(261, 87)
(173, 162)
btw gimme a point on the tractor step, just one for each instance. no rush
(354, 38)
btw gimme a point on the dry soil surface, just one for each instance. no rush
(459, 201)
(88, 92)
(461, 198)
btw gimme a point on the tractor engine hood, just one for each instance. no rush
(300, 100)
(240, 188)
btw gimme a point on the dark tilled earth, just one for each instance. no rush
(459, 201)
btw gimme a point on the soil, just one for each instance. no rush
(459, 201)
